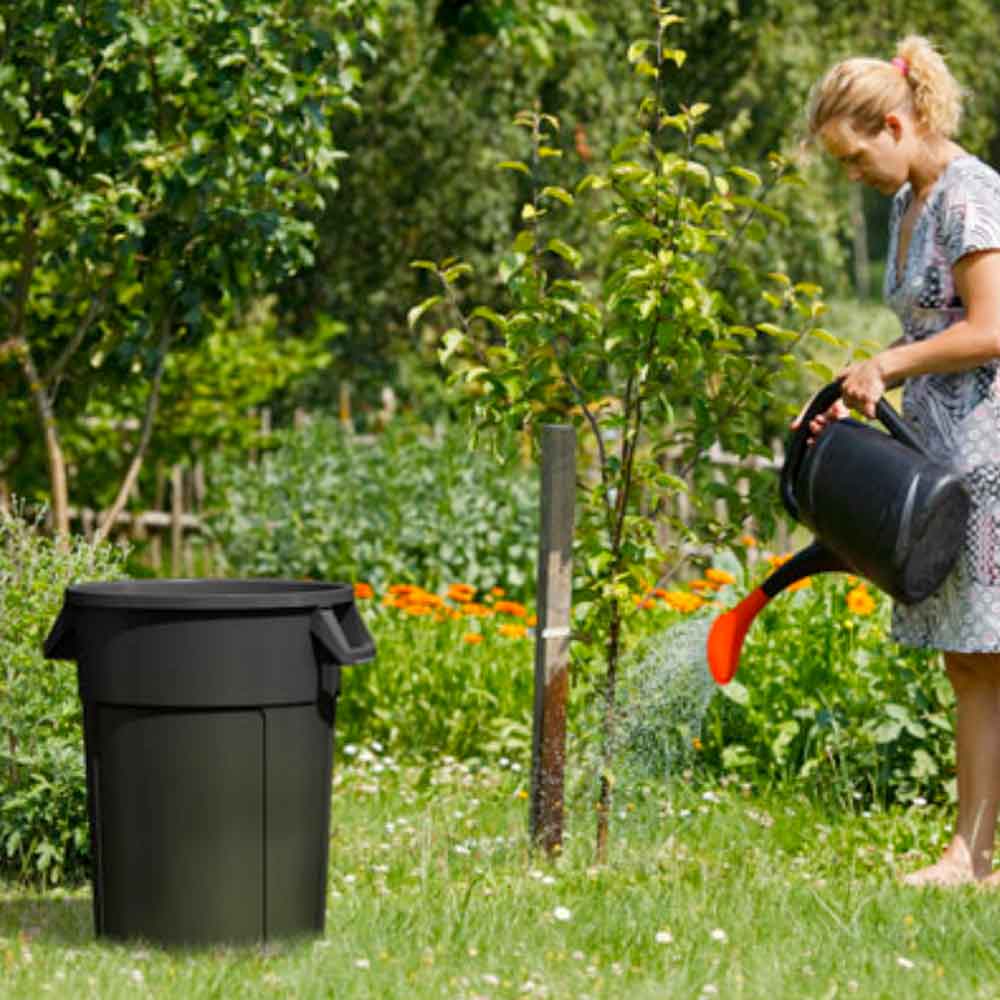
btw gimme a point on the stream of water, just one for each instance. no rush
(664, 691)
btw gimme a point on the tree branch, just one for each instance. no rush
(54, 375)
(152, 401)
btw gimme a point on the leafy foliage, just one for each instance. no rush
(825, 698)
(396, 508)
(210, 393)
(43, 794)
(433, 691)
(160, 163)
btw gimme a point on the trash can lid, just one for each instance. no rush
(209, 595)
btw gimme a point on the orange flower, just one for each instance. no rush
(416, 609)
(476, 610)
(701, 585)
(719, 576)
(681, 600)
(363, 590)
(401, 589)
(776, 561)
(512, 631)
(461, 593)
(806, 581)
(510, 608)
(417, 595)
(859, 601)
(472, 638)
(498, 591)
(748, 540)
(645, 603)
(531, 621)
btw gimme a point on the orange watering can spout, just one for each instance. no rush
(725, 639)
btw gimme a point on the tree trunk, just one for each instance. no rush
(58, 485)
(608, 738)
(36, 385)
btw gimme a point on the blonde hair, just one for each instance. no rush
(866, 90)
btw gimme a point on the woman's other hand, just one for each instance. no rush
(836, 412)
(863, 385)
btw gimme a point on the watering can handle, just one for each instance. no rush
(820, 403)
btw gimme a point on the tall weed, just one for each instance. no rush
(43, 797)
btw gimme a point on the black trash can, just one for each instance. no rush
(208, 729)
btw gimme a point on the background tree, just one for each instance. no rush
(159, 165)
(439, 111)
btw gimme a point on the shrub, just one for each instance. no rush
(453, 675)
(824, 696)
(43, 799)
(399, 508)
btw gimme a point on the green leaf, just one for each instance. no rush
(924, 765)
(887, 732)
(698, 170)
(828, 338)
(524, 242)
(560, 194)
(484, 312)
(456, 271)
(736, 756)
(638, 48)
(414, 315)
(746, 175)
(514, 165)
(736, 692)
(595, 181)
(823, 371)
(565, 251)
(453, 340)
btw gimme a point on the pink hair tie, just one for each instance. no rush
(901, 64)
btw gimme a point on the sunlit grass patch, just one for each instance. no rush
(710, 889)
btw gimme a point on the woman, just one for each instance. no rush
(890, 124)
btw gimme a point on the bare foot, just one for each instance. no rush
(944, 874)
(954, 868)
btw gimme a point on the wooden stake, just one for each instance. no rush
(555, 589)
(176, 519)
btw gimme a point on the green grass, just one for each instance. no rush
(434, 893)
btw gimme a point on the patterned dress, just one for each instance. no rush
(958, 414)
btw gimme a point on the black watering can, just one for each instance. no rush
(879, 505)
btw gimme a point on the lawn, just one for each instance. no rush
(709, 891)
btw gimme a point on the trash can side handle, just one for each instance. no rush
(342, 634)
(60, 644)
